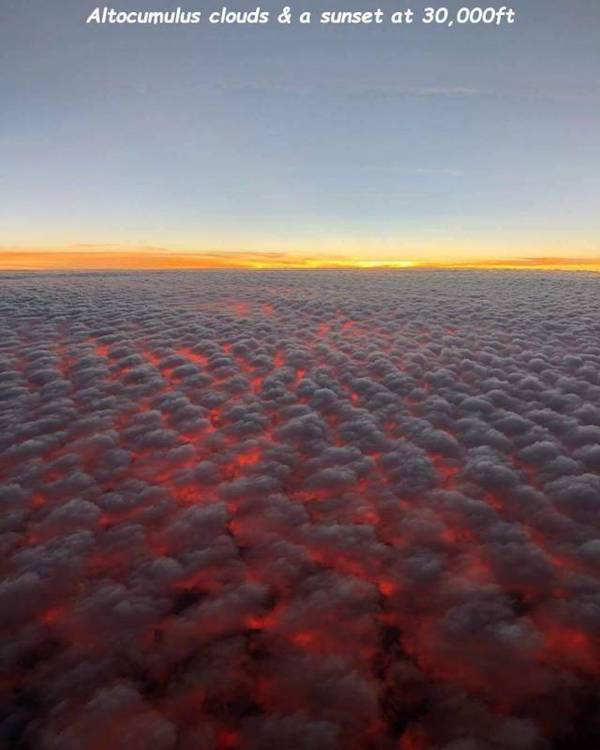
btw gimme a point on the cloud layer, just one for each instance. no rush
(300, 510)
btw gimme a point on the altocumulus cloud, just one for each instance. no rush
(311, 511)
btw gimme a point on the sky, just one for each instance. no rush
(300, 145)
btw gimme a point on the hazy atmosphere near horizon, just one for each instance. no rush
(265, 145)
(299, 382)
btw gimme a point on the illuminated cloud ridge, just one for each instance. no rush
(300, 511)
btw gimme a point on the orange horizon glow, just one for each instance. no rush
(157, 259)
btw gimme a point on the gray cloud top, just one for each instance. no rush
(300, 510)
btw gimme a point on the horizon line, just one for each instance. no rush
(160, 259)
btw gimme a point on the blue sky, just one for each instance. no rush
(395, 142)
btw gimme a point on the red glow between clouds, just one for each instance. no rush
(288, 519)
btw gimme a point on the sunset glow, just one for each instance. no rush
(152, 259)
